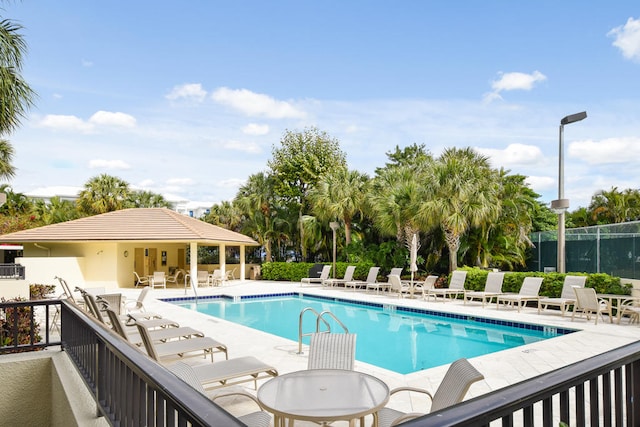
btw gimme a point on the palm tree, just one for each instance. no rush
(57, 210)
(148, 199)
(225, 214)
(103, 193)
(340, 194)
(16, 95)
(256, 199)
(463, 192)
(613, 206)
(395, 197)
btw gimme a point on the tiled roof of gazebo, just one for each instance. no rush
(140, 224)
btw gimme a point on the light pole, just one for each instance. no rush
(561, 205)
(334, 226)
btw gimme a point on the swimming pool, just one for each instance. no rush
(400, 339)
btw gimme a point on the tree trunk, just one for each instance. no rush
(453, 243)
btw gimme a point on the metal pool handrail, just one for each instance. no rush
(319, 318)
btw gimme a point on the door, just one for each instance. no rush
(153, 260)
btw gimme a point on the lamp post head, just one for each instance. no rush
(560, 205)
(573, 118)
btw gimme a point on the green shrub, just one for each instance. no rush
(40, 291)
(295, 271)
(24, 321)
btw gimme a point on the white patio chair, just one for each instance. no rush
(332, 351)
(140, 281)
(587, 303)
(454, 386)
(159, 280)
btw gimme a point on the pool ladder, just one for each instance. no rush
(319, 318)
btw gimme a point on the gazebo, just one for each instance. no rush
(104, 250)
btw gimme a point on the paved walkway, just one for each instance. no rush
(500, 369)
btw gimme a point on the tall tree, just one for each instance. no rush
(103, 193)
(257, 200)
(56, 210)
(340, 194)
(613, 206)
(299, 162)
(16, 95)
(463, 192)
(147, 199)
(225, 214)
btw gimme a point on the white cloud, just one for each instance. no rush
(627, 39)
(109, 164)
(517, 81)
(107, 118)
(230, 183)
(247, 147)
(606, 151)
(87, 63)
(255, 129)
(64, 122)
(513, 155)
(541, 183)
(256, 104)
(192, 91)
(180, 181)
(146, 183)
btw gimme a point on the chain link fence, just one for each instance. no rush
(613, 249)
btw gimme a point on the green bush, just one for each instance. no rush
(295, 271)
(7, 321)
(40, 291)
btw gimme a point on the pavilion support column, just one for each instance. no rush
(242, 266)
(223, 259)
(193, 263)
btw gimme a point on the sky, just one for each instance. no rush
(188, 99)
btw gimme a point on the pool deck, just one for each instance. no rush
(500, 369)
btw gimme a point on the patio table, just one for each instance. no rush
(323, 396)
(620, 300)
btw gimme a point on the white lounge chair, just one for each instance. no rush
(396, 285)
(165, 351)
(348, 276)
(587, 303)
(528, 292)
(236, 370)
(92, 306)
(324, 275)
(131, 334)
(454, 386)
(428, 284)
(332, 351)
(456, 287)
(492, 288)
(372, 277)
(567, 296)
(187, 374)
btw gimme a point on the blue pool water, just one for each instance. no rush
(395, 338)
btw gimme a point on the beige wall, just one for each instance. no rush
(101, 264)
(44, 389)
